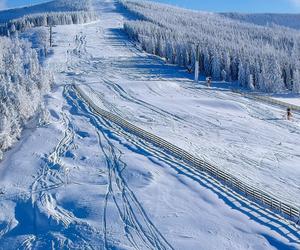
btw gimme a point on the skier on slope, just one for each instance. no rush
(289, 114)
(208, 81)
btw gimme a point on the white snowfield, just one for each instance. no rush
(82, 182)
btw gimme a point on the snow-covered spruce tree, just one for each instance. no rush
(226, 66)
(242, 78)
(22, 83)
(251, 82)
(296, 81)
(224, 75)
(39, 37)
(216, 67)
(273, 73)
(267, 53)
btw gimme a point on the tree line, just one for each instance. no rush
(258, 57)
(23, 81)
(59, 12)
(45, 19)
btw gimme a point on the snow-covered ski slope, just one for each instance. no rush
(250, 139)
(81, 182)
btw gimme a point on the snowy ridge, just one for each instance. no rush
(258, 57)
(51, 6)
(54, 13)
(289, 210)
(46, 19)
(80, 181)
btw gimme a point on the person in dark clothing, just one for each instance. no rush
(289, 114)
(208, 81)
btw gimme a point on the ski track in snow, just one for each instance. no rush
(234, 199)
(137, 225)
(231, 155)
(138, 228)
(53, 175)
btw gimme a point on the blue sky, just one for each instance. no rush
(282, 6)
(285, 6)
(16, 3)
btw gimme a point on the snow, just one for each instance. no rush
(47, 6)
(251, 140)
(293, 99)
(23, 82)
(257, 57)
(81, 182)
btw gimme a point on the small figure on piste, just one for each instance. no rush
(289, 114)
(208, 81)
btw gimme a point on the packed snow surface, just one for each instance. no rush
(81, 182)
(288, 98)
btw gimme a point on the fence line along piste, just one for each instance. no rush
(289, 210)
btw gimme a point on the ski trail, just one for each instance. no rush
(255, 109)
(53, 171)
(233, 198)
(123, 94)
(138, 228)
(80, 50)
(49, 217)
(137, 225)
(163, 115)
(51, 175)
(199, 124)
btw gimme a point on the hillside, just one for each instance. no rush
(57, 12)
(257, 57)
(79, 179)
(51, 6)
(23, 82)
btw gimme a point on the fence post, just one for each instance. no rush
(271, 203)
(280, 207)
